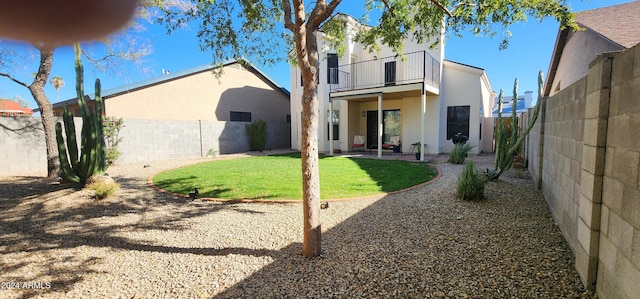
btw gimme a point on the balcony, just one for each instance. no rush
(415, 67)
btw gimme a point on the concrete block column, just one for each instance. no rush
(598, 92)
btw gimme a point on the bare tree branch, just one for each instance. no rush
(439, 5)
(288, 23)
(14, 79)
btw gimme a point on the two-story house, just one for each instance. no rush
(395, 99)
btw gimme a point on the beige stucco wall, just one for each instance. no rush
(461, 86)
(580, 50)
(203, 96)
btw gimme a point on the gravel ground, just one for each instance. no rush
(56, 242)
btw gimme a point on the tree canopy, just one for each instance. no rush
(256, 29)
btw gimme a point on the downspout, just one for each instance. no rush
(423, 105)
(423, 112)
(380, 127)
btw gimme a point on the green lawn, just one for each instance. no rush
(279, 177)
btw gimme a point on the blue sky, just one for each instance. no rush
(529, 51)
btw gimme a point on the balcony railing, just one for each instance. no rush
(415, 67)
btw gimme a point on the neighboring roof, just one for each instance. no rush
(174, 76)
(506, 110)
(13, 107)
(619, 24)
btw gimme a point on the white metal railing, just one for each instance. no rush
(414, 67)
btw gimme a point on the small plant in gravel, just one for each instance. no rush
(460, 152)
(103, 189)
(471, 183)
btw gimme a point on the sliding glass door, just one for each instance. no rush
(391, 126)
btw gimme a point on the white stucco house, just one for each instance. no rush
(389, 99)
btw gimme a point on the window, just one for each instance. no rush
(288, 118)
(332, 68)
(458, 120)
(391, 125)
(390, 73)
(335, 118)
(240, 116)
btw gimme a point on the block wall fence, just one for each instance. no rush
(585, 158)
(22, 147)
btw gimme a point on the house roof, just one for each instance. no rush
(11, 106)
(506, 110)
(619, 24)
(173, 76)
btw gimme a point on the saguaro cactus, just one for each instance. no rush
(78, 167)
(505, 153)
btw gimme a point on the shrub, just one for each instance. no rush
(471, 183)
(257, 132)
(460, 152)
(111, 128)
(103, 189)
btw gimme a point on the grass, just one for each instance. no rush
(280, 177)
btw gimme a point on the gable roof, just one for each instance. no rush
(175, 76)
(620, 24)
(11, 106)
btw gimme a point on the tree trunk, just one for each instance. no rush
(308, 60)
(304, 34)
(310, 174)
(46, 111)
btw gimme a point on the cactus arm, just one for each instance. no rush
(92, 149)
(514, 117)
(80, 80)
(101, 146)
(536, 112)
(66, 171)
(500, 132)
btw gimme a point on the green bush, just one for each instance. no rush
(102, 189)
(471, 183)
(460, 152)
(112, 127)
(257, 132)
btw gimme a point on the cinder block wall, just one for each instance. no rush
(619, 256)
(22, 147)
(585, 156)
(153, 140)
(561, 157)
(23, 152)
(535, 143)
